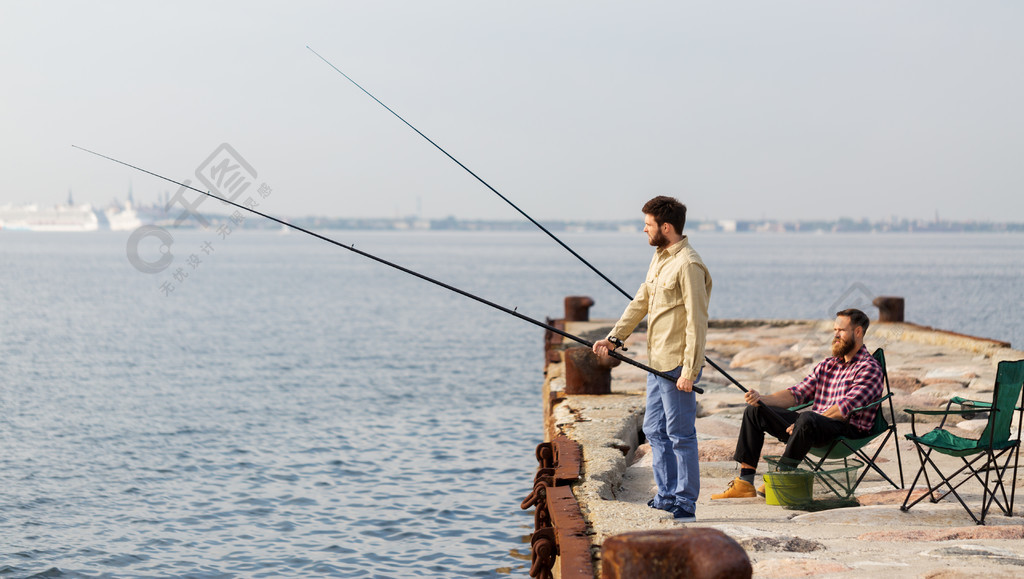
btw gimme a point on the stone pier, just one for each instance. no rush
(925, 366)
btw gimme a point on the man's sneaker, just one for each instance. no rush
(681, 514)
(651, 503)
(738, 489)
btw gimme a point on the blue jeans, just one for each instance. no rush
(669, 427)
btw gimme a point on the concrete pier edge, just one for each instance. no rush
(608, 430)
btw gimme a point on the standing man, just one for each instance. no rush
(674, 298)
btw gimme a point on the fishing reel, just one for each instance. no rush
(618, 343)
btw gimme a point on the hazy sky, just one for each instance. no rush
(570, 109)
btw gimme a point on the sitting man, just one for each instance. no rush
(851, 378)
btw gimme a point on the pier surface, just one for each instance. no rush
(926, 367)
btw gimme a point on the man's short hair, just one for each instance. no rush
(857, 318)
(667, 210)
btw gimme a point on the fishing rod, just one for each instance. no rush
(478, 178)
(506, 200)
(352, 248)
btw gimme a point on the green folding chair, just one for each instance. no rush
(838, 479)
(985, 452)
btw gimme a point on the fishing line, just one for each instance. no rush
(506, 200)
(380, 260)
(478, 178)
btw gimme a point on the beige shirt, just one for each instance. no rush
(674, 298)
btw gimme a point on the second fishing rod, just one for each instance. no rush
(506, 200)
(511, 312)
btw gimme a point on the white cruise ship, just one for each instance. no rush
(48, 218)
(123, 218)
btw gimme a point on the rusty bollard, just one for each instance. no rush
(577, 308)
(696, 553)
(588, 373)
(553, 342)
(890, 309)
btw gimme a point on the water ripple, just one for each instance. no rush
(291, 412)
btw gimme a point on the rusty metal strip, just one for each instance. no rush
(574, 558)
(559, 528)
(568, 458)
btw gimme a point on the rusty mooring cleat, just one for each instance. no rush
(577, 308)
(588, 373)
(890, 308)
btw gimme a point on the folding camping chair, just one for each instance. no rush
(839, 480)
(987, 450)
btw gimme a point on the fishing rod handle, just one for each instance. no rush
(658, 373)
(618, 343)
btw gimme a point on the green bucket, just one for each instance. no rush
(791, 488)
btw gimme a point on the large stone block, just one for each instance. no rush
(747, 357)
(696, 553)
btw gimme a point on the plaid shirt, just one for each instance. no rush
(848, 385)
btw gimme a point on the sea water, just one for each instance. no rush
(276, 406)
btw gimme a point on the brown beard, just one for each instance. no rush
(840, 348)
(658, 239)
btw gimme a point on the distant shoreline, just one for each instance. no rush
(157, 215)
(635, 226)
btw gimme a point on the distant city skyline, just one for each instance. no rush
(743, 110)
(160, 202)
(171, 215)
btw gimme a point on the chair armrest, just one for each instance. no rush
(875, 403)
(966, 402)
(853, 411)
(912, 412)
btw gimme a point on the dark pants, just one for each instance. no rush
(810, 429)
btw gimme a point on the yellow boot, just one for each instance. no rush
(738, 489)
